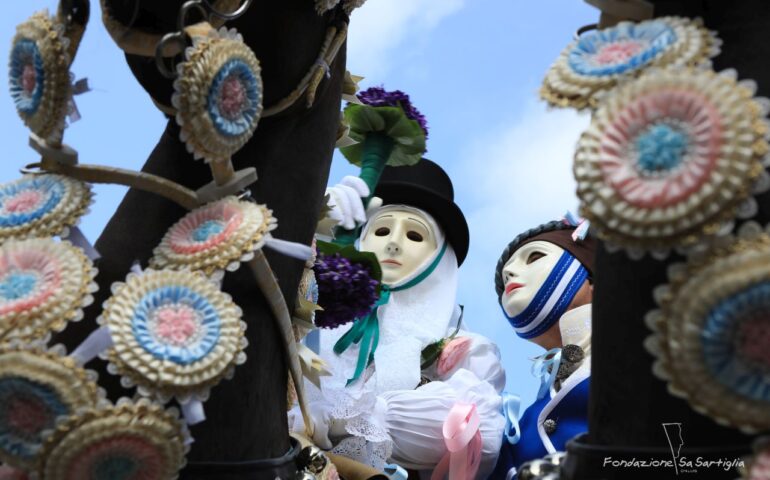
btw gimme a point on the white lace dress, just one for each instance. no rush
(404, 426)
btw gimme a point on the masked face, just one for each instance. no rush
(401, 240)
(525, 272)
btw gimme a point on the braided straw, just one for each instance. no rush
(175, 334)
(661, 42)
(691, 335)
(45, 284)
(52, 204)
(199, 114)
(139, 435)
(36, 387)
(671, 159)
(47, 119)
(214, 237)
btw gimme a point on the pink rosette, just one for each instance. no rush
(452, 354)
(671, 159)
(215, 237)
(43, 205)
(43, 285)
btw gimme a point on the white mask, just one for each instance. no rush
(525, 272)
(402, 240)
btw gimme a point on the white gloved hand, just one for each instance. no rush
(346, 200)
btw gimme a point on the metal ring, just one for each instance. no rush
(32, 169)
(177, 38)
(186, 7)
(585, 28)
(228, 16)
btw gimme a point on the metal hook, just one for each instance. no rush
(180, 41)
(585, 28)
(228, 16)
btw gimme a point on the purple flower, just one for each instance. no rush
(346, 290)
(379, 97)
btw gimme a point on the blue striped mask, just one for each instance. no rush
(552, 299)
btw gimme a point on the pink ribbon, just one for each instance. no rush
(581, 226)
(463, 442)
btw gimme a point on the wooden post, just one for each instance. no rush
(628, 403)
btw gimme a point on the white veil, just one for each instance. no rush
(412, 319)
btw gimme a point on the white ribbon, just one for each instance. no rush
(77, 238)
(300, 251)
(98, 341)
(193, 412)
(136, 268)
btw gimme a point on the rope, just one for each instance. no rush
(309, 84)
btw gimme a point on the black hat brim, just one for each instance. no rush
(447, 213)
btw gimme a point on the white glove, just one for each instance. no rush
(346, 200)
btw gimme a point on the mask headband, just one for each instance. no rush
(552, 300)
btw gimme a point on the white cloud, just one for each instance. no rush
(521, 175)
(515, 178)
(379, 27)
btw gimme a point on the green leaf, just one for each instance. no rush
(407, 134)
(431, 353)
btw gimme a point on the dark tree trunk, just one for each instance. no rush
(628, 403)
(246, 416)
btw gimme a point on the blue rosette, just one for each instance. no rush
(597, 60)
(37, 389)
(39, 76)
(711, 331)
(175, 334)
(217, 95)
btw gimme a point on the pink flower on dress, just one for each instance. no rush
(452, 354)
(9, 473)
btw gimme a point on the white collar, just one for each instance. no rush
(575, 328)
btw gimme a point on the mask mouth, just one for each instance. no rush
(390, 261)
(511, 287)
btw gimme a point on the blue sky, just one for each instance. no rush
(473, 67)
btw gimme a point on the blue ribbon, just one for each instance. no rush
(511, 406)
(395, 472)
(545, 368)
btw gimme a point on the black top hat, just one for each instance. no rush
(428, 187)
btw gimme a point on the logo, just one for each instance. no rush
(674, 436)
(679, 463)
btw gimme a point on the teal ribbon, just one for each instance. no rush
(365, 331)
(511, 406)
(546, 369)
